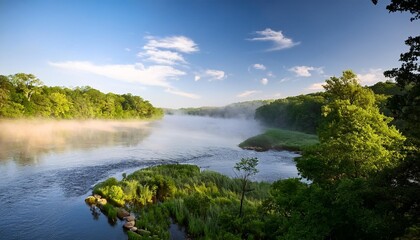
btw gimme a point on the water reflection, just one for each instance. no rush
(25, 142)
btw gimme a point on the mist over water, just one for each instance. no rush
(48, 167)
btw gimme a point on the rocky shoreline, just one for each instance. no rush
(97, 201)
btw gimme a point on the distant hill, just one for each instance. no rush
(235, 110)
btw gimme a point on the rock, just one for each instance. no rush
(133, 229)
(90, 200)
(144, 232)
(101, 201)
(97, 196)
(122, 213)
(130, 218)
(129, 225)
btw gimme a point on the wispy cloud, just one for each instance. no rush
(264, 81)
(276, 37)
(127, 49)
(247, 93)
(305, 71)
(211, 75)
(371, 77)
(259, 66)
(168, 50)
(138, 73)
(178, 43)
(215, 74)
(162, 56)
(182, 94)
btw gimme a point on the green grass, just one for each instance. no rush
(193, 199)
(279, 139)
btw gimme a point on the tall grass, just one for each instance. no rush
(196, 200)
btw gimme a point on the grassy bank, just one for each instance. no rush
(205, 203)
(279, 139)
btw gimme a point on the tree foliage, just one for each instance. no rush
(24, 95)
(300, 113)
(355, 138)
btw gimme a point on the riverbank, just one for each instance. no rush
(279, 139)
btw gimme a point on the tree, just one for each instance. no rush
(412, 6)
(355, 138)
(246, 168)
(404, 180)
(28, 84)
(61, 105)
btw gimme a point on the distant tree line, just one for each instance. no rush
(303, 112)
(235, 110)
(24, 95)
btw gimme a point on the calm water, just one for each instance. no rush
(48, 168)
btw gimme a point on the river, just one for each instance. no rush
(47, 168)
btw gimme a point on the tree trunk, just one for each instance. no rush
(242, 198)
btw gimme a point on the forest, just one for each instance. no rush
(24, 96)
(303, 112)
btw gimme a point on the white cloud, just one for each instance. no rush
(264, 81)
(305, 71)
(247, 93)
(162, 56)
(372, 77)
(127, 49)
(270, 74)
(214, 74)
(150, 76)
(177, 43)
(196, 78)
(182, 94)
(316, 86)
(280, 41)
(278, 95)
(259, 66)
(167, 50)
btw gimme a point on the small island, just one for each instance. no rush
(205, 203)
(279, 139)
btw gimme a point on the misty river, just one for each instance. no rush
(47, 168)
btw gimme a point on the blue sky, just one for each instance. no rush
(200, 53)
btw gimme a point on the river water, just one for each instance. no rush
(47, 168)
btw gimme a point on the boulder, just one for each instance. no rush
(122, 213)
(101, 201)
(130, 218)
(90, 200)
(129, 225)
(97, 196)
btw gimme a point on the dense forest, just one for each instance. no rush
(24, 95)
(303, 112)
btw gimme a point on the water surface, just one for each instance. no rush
(47, 168)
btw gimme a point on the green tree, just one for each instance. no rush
(245, 169)
(28, 84)
(355, 138)
(60, 105)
